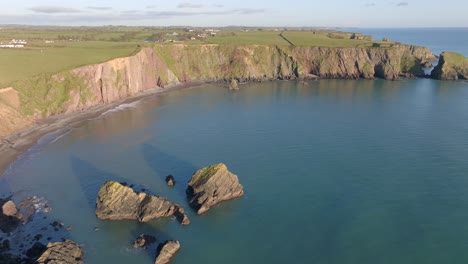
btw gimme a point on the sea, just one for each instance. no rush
(334, 171)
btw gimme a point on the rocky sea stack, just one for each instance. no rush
(166, 250)
(66, 252)
(451, 66)
(211, 185)
(117, 202)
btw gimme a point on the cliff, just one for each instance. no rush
(87, 86)
(451, 66)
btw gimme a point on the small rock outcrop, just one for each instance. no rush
(9, 209)
(143, 241)
(451, 66)
(118, 202)
(211, 185)
(166, 250)
(67, 252)
(170, 180)
(233, 85)
(10, 218)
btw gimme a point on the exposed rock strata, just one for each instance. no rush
(212, 185)
(451, 66)
(67, 252)
(117, 202)
(163, 65)
(166, 250)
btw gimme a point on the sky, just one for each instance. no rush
(210, 13)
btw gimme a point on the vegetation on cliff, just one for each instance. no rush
(451, 66)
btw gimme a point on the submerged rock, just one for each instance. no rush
(36, 250)
(67, 252)
(143, 241)
(118, 202)
(166, 250)
(211, 185)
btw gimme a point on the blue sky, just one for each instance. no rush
(331, 13)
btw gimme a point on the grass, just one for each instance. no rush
(248, 38)
(455, 59)
(203, 175)
(17, 64)
(321, 39)
(77, 46)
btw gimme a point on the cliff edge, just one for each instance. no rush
(75, 90)
(451, 66)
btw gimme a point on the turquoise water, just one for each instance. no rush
(365, 171)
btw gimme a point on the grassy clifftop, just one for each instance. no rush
(451, 66)
(160, 65)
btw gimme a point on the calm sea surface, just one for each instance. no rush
(334, 172)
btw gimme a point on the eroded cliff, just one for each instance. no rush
(162, 65)
(451, 66)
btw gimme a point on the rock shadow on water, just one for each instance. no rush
(91, 179)
(164, 164)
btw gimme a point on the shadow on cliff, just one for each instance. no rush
(164, 164)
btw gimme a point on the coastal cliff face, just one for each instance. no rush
(451, 66)
(81, 88)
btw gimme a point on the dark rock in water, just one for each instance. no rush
(118, 202)
(5, 246)
(36, 250)
(166, 250)
(181, 216)
(10, 259)
(66, 252)
(211, 185)
(9, 209)
(170, 180)
(10, 217)
(143, 241)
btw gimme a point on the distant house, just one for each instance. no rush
(49, 41)
(11, 46)
(18, 41)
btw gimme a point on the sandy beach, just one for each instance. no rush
(12, 146)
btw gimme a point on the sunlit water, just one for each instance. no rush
(334, 172)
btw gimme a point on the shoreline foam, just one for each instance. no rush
(15, 145)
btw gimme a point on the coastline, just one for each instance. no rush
(14, 145)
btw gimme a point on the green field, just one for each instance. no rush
(16, 64)
(77, 46)
(248, 38)
(322, 39)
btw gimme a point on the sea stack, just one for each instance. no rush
(212, 185)
(170, 180)
(62, 252)
(166, 250)
(117, 202)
